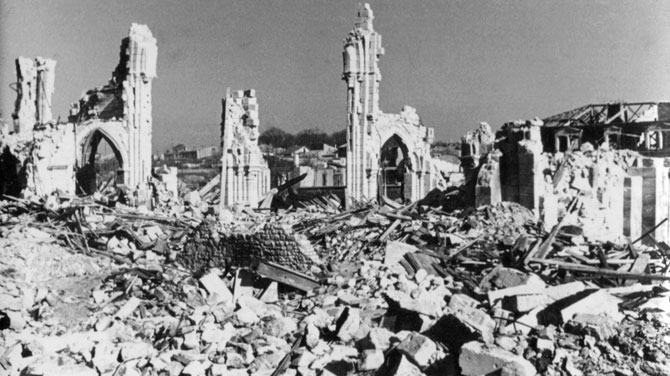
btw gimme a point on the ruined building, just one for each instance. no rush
(387, 154)
(631, 126)
(245, 173)
(62, 157)
(613, 191)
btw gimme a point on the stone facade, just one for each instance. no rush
(369, 130)
(60, 157)
(245, 173)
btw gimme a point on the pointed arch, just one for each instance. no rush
(86, 162)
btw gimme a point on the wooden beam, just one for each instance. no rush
(287, 276)
(600, 271)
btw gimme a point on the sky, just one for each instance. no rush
(457, 62)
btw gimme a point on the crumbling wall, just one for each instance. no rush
(618, 192)
(368, 128)
(209, 247)
(125, 102)
(487, 189)
(35, 85)
(60, 157)
(245, 173)
(475, 146)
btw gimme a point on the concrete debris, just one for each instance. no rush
(410, 304)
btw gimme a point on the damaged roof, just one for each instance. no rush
(611, 113)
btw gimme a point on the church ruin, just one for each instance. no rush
(61, 157)
(387, 154)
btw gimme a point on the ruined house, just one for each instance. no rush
(62, 156)
(631, 126)
(388, 154)
(244, 171)
(618, 191)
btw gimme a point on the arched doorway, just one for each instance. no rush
(101, 165)
(395, 164)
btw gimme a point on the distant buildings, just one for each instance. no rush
(182, 153)
(326, 167)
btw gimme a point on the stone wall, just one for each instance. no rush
(209, 247)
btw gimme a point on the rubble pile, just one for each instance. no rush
(412, 290)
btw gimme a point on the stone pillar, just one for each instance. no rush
(487, 189)
(632, 207)
(35, 85)
(141, 50)
(655, 205)
(362, 49)
(549, 211)
(46, 72)
(530, 180)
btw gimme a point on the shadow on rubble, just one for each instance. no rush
(453, 198)
(13, 176)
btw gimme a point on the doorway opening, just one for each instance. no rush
(102, 167)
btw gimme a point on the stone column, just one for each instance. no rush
(632, 207)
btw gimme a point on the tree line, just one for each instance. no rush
(311, 138)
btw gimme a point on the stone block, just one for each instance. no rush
(477, 359)
(534, 285)
(404, 367)
(419, 348)
(559, 292)
(478, 320)
(395, 251)
(377, 339)
(543, 345)
(312, 335)
(655, 369)
(371, 360)
(271, 293)
(525, 323)
(217, 289)
(244, 283)
(258, 307)
(246, 316)
(599, 302)
(194, 368)
(524, 303)
(347, 324)
(128, 308)
(456, 328)
(503, 277)
(425, 304)
(601, 327)
(459, 301)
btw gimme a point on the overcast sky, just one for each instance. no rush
(457, 62)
